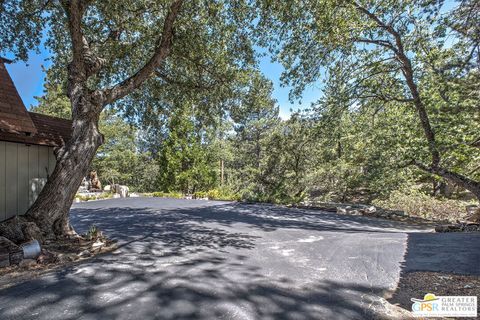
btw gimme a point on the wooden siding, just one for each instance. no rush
(23, 173)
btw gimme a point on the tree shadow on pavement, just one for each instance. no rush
(192, 264)
(201, 288)
(258, 216)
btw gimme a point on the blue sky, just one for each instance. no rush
(29, 78)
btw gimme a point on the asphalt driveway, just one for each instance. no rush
(193, 259)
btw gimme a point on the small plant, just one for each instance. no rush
(222, 194)
(201, 194)
(93, 233)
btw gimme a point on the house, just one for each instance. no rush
(27, 142)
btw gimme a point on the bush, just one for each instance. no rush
(176, 195)
(417, 203)
(218, 194)
(88, 197)
(201, 194)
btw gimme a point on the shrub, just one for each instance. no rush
(201, 194)
(176, 195)
(218, 194)
(417, 203)
(88, 197)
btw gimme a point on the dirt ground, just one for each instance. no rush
(417, 284)
(55, 254)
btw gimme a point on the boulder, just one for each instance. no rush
(94, 181)
(12, 230)
(368, 210)
(7, 250)
(16, 257)
(46, 257)
(448, 228)
(7, 246)
(343, 210)
(474, 214)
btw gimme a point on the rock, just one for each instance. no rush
(12, 230)
(27, 263)
(16, 257)
(32, 232)
(4, 260)
(368, 210)
(474, 214)
(69, 257)
(341, 210)
(353, 212)
(7, 246)
(85, 253)
(120, 190)
(448, 228)
(98, 244)
(46, 257)
(94, 181)
(398, 213)
(471, 227)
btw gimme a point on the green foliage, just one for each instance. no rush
(118, 159)
(218, 194)
(89, 197)
(185, 158)
(398, 89)
(54, 102)
(175, 195)
(93, 233)
(209, 106)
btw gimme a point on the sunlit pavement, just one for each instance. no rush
(194, 259)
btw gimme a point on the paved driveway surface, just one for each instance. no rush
(193, 259)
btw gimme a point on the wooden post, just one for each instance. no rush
(221, 172)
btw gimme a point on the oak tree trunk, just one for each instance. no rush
(51, 209)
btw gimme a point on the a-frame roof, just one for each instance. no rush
(13, 114)
(19, 125)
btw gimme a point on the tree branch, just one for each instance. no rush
(459, 179)
(161, 52)
(196, 86)
(408, 74)
(75, 10)
(382, 43)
